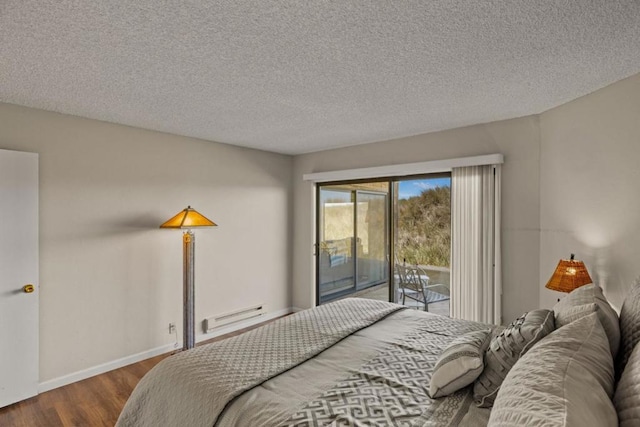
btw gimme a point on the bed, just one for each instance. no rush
(362, 362)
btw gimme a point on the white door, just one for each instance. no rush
(18, 268)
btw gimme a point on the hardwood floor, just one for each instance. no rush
(93, 402)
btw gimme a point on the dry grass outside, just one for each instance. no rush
(423, 228)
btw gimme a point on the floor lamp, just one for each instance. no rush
(187, 219)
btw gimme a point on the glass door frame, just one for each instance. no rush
(356, 229)
(389, 224)
(391, 220)
(319, 230)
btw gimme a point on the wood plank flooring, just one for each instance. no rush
(94, 402)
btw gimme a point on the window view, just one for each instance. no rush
(354, 241)
(422, 223)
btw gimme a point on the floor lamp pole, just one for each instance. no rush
(188, 309)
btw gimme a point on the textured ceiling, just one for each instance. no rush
(301, 76)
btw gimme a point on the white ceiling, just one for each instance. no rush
(301, 76)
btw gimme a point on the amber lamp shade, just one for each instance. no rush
(188, 218)
(569, 275)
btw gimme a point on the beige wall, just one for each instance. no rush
(110, 280)
(590, 187)
(517, 139)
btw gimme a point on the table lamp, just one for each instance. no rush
(569, 275)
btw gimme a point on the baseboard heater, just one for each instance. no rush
(214, 322)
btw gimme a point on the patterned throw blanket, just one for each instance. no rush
(193, 388)
(391, 389)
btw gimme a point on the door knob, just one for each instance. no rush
(28, 288)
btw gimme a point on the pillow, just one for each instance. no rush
(629, 325)
(627, 398)
(505, 349)
(570, 314)
(590, 294)
(565, 380)
(459, 364)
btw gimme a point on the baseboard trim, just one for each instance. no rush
(102, 368)
(134, 358)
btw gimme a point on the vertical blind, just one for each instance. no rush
(475, 244)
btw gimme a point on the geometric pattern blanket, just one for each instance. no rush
(391, 389)
(194, 387)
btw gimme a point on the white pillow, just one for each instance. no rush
(459, 364)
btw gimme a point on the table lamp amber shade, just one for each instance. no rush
(569, 275)
(188, 218)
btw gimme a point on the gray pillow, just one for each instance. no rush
(627, 398)
(571, 314)
(459, 364)
(564, 380)
(590, 294)
(629, 325)
(505, 349)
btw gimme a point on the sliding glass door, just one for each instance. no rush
(422, 241)
(352, 239)
(373, 235)
(336, 228)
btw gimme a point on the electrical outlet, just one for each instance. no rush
(172, 328)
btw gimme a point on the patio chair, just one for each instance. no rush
(436, 293)
(413, 283)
